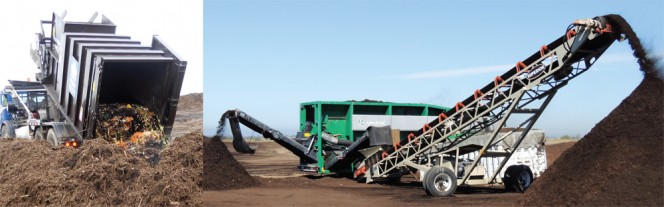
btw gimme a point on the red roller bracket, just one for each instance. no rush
(543, 50)
(441, 117)
(571, 33)
(497, 81)
(520, 65)
(360, 171)
(459, 105)
(411, 136)
(606, 29)
(477, 93)
(424, 128)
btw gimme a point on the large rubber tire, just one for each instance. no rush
(39, 135)
(518, 178)
(4, 130)
(7, 130)
(440, 181)
(52, 139)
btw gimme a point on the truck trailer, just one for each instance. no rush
(83, 65)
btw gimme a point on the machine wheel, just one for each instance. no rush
(39, 135)
(5, 129)
(518, 178)
(440, 181)
(52, 139)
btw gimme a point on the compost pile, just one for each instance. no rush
(621, 160)
(555, 150)
(131, 126)
(127, 123)
(220, 170)
(99, 174)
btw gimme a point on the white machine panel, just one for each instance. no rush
(401, 122)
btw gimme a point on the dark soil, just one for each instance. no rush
(621, 160)
(99, 174)
(220, 170)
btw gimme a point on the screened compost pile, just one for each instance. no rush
(99, 174)
(220, 170)
(621, 160)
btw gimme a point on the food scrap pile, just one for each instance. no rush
(128, 124)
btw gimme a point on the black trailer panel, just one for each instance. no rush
(78, 108)
(85, 64)
(177, 69)
(142, 80)
(62, 47)
(74, 73)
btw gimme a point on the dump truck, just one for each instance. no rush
(83, 65)
(438, 152)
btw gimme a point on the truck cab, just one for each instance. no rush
(25, 106)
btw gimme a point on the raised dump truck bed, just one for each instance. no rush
(85, 64)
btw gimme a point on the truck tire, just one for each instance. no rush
(39, 135)
(7, 130)
(52, 139)
(518, 178)
(440, 181)
(4, 131)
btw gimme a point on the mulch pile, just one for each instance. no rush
(99, 174)
(191, 101)
(220, 170)
(621, 160)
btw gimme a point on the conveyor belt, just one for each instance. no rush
(537, 77)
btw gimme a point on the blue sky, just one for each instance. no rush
(266, 57)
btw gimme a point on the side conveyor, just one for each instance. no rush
(237, 116)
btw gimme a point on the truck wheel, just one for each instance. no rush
(518, 178)
(52, 139)
(7, 130)
(440, 181)
(39, 135)
(4, 131)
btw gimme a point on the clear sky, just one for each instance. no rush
(266, 57)
(178, 23)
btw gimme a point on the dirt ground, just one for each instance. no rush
(100, 173)
(282, 185)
